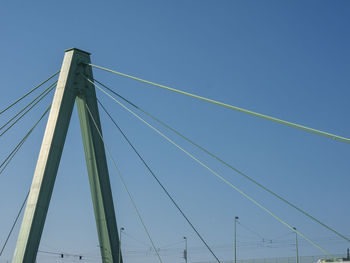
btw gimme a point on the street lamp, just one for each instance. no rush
(120, 244)
(235, 248)
(296, 244)
(185, 251)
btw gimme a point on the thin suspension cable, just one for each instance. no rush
(213, 172)
(120, 96)
(14, 153)
(28, 105)
(11, 157)
(228, 165)
(63, 253)
(14, 224)
(251, 231)
(158, 181)
(124, 184)
(135, 239)
(51, 87)
(263, 116)
(29, 92)
(173, 244)
(8, 159)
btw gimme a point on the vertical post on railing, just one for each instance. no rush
(120, 244)
(296, 245)
(235, 239)
(185, 251)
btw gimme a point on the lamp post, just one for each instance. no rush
(296, 244)
(235, 243)
(120, 244)
(185, 251)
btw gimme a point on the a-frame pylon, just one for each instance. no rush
(71, 86)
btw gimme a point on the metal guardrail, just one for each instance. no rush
(302, 259)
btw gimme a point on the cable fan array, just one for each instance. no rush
(132, 109)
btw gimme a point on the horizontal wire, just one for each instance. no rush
(172, 245)
(124, 184)
(62, 253)
(263, 116)
(29, 92)
(135, 239)
(19, 145)
(213, 172)
(252, 231)
(36, 100)
(161, 185)
(228, 165)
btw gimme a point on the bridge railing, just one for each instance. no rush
(302, 259)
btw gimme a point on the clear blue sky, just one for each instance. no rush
(288, 59)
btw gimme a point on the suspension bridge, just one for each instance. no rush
(76, 83)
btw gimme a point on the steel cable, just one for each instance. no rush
(213, 172)
(158, 181)
(14, 224)
(227, 164)
(29, 92)
(33, 103)
(124, 184)
(25, 200)
(8, 159)
(263, 116)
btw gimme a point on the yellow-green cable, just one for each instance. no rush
(12, 154)
(35, 101)
(159, 182)
(29, 92)
(215, 173)
(244, 175)
(225, 163)
(124, 184)
(263, 116)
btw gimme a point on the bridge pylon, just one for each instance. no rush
(71, 86)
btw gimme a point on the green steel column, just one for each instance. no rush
(98, 172)
(70, 84)
(47, 165)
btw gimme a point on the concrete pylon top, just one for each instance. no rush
(77, 49)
